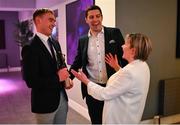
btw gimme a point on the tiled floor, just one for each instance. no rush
(15, 102)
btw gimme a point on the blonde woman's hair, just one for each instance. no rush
(142, 44)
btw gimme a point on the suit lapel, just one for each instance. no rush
(44, 49)
(84, 48)
(107, 38)
(86, 41)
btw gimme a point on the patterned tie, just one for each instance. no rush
(51, 48)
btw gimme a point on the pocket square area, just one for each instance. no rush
(112, 41)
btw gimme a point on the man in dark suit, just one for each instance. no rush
(44, 73)
(92, 49)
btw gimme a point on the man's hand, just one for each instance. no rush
(68, 83)
(63, 74)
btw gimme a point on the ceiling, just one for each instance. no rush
(19, 5)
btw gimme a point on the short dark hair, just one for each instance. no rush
(40, 12)
(93, 7)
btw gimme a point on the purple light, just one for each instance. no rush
(75, 29)
(7, 86)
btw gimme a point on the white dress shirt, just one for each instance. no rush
(44, 39)
(125, 94)
(96, 67)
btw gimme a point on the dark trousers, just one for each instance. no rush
(95, 109)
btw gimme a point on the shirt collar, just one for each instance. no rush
(89, 32)
(42, 36)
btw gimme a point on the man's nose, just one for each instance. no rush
(95, 19)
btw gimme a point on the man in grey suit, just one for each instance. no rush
(92, 49)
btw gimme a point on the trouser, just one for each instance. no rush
(95, 108)
(57, 117)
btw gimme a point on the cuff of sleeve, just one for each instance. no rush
(89, 86)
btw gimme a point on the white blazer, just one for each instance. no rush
(125, 94)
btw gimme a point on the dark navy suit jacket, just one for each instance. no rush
(40, 74)
(113, 42)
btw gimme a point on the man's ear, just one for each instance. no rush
(38, 20)
(86, 20)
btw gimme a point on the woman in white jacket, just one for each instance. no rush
(126, 91)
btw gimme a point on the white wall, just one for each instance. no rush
(108, 10)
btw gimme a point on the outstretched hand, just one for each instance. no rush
(81, 76)
(112, 61)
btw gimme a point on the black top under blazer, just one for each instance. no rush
(113, 42)
(40, 74)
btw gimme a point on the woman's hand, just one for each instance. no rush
(112, 61)
(81, 76)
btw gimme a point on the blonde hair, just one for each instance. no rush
(41, 11)
(142, 44)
